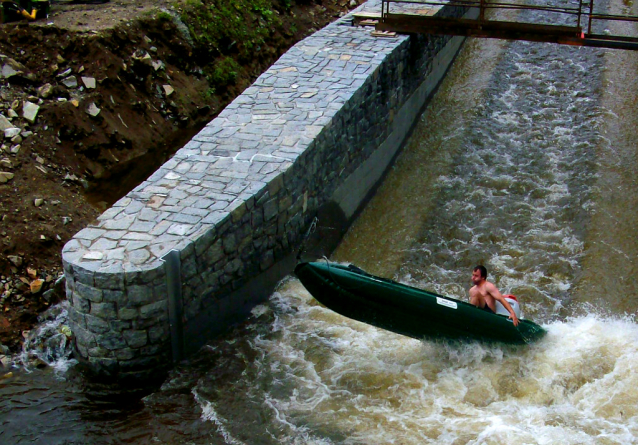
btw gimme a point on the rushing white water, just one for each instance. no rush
(326, 379)
(49, 343)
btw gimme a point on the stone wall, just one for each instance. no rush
(317, 129)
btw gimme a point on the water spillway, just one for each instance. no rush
(524, 161)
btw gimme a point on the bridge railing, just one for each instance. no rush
(584, 23)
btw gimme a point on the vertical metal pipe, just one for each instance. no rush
(172, 264)
(580, 11)
(591, 13)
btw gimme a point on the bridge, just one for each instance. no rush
(581, 24)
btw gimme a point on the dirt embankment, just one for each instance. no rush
(96, 97)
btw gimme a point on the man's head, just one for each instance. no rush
(479, 274)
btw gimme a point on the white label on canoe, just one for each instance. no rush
(444, 302)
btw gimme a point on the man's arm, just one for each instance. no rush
(494, 292)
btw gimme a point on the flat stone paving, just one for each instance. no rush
(253, 140)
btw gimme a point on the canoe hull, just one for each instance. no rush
(407, 310)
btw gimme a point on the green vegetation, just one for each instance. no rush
(164, 16)
(224, 72)
(227, 27)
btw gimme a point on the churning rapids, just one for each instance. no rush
(525, 161)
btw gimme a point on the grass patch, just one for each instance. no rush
(226, 27)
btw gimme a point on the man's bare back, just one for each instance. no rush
(484, 294)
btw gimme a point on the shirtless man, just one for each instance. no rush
(484, 294)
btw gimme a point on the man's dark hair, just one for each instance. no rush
(482, 270)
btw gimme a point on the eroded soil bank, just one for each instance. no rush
(96, 97)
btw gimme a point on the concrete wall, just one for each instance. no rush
(316, 131)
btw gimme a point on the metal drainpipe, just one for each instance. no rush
(175, 306)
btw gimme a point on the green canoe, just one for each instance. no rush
(406, 310)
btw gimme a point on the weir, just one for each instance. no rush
(193, 248)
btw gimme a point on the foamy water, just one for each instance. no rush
(323, 378)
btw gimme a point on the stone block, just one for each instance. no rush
(214, 253)
(160, 291)
(83, 275)
(271, 209)
(96, 325)
(203, 243)
(83, 337)
(267, 260)
(233, 266)
(126, 354)
(230, 243)
(81, 304)
(125, 313)
(112, 341)
(140, 295)
(157, 309)
(99, 352)
(152, 350)
(119, 325)
(76, 318)
(114, 296)
(103, 310)
(88, 292)
(189, 269)
(135, 339)
(104, 366)
(109, 281)
(159, 333)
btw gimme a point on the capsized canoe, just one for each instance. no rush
(406, 310)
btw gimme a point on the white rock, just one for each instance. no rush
(70, 82)
(16, 260)
(6, 362)
(10, 133)
(38, 202)
(9, 71)
(157, 65)
(45, 90)
(89, 82)
(4, 123)
(93, 110)
(12, 113)
(65, 73)
(5, 177)
(30, 111)
(168, 90)
(93, 256)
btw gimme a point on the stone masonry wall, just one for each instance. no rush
(238, 197)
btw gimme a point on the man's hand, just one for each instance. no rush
(514, 319)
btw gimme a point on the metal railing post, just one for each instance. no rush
(172, 264)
